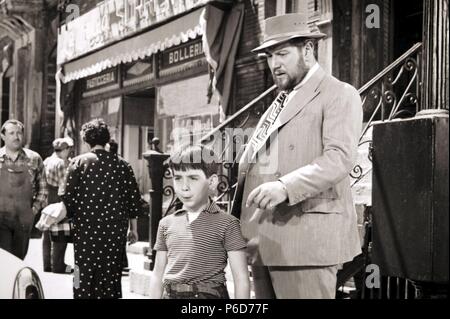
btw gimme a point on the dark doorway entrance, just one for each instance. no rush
(407, 31)
(5, 102)
(408, 18)
(138, 131)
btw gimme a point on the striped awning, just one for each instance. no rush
(143, 45)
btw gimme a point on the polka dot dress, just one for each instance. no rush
(101, 194)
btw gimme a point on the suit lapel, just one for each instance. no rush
(304, 95)
(296, 104)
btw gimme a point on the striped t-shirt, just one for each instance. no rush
(197, 252)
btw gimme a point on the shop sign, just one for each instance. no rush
(138, 68)
(101, 80)
(182, 54)
(113, 20)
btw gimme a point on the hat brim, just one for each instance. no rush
(279, 40)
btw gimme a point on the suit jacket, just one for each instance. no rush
(312, 151)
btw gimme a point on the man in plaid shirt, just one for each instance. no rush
(55, 171)
(23, 189)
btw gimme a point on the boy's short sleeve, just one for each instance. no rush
(233, 236)
(160, 244)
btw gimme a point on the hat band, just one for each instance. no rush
(286, 35)
(295, 34)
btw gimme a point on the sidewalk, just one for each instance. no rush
(59, 286)
(134, 286)
(139, 282)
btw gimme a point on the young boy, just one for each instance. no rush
(194, 243)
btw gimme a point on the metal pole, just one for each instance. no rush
(155, 161)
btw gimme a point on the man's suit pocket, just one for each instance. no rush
(330, 193)
(327, 201)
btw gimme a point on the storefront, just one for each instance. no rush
(152, 84)
(27, 63)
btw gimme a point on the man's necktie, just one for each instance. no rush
(260, 135)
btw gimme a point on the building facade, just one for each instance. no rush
(27, 70)
(141, 65)
(148, 67)
(144, 72)
(150, 53)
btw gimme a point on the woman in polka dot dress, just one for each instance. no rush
(102, 197)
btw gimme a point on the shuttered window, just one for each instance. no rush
(319, 10)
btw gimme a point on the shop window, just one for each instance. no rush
(185, 113)
(319, 11)
(291, 6)
(110, 111)
(138, 127)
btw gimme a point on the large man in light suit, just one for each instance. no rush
(293, 194)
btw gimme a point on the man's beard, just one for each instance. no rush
(286, 83)
(290, 81)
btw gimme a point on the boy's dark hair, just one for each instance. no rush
(95, 132)
(194, 157)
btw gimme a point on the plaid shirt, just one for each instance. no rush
(37, 174)
(55, 172)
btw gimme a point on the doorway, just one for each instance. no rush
(408, 25)
(4, 115)
(138, 131)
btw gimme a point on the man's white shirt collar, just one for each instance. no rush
(308, 75)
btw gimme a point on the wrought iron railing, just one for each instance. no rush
(393, 93)
(231, 144)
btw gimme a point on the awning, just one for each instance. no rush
(165, 36)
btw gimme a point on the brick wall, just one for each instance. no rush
(251, 29)
(252, 76)
(48, 112)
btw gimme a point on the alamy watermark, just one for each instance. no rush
(373, 278)
(230, 144)
(73, 11)
(373, 17)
